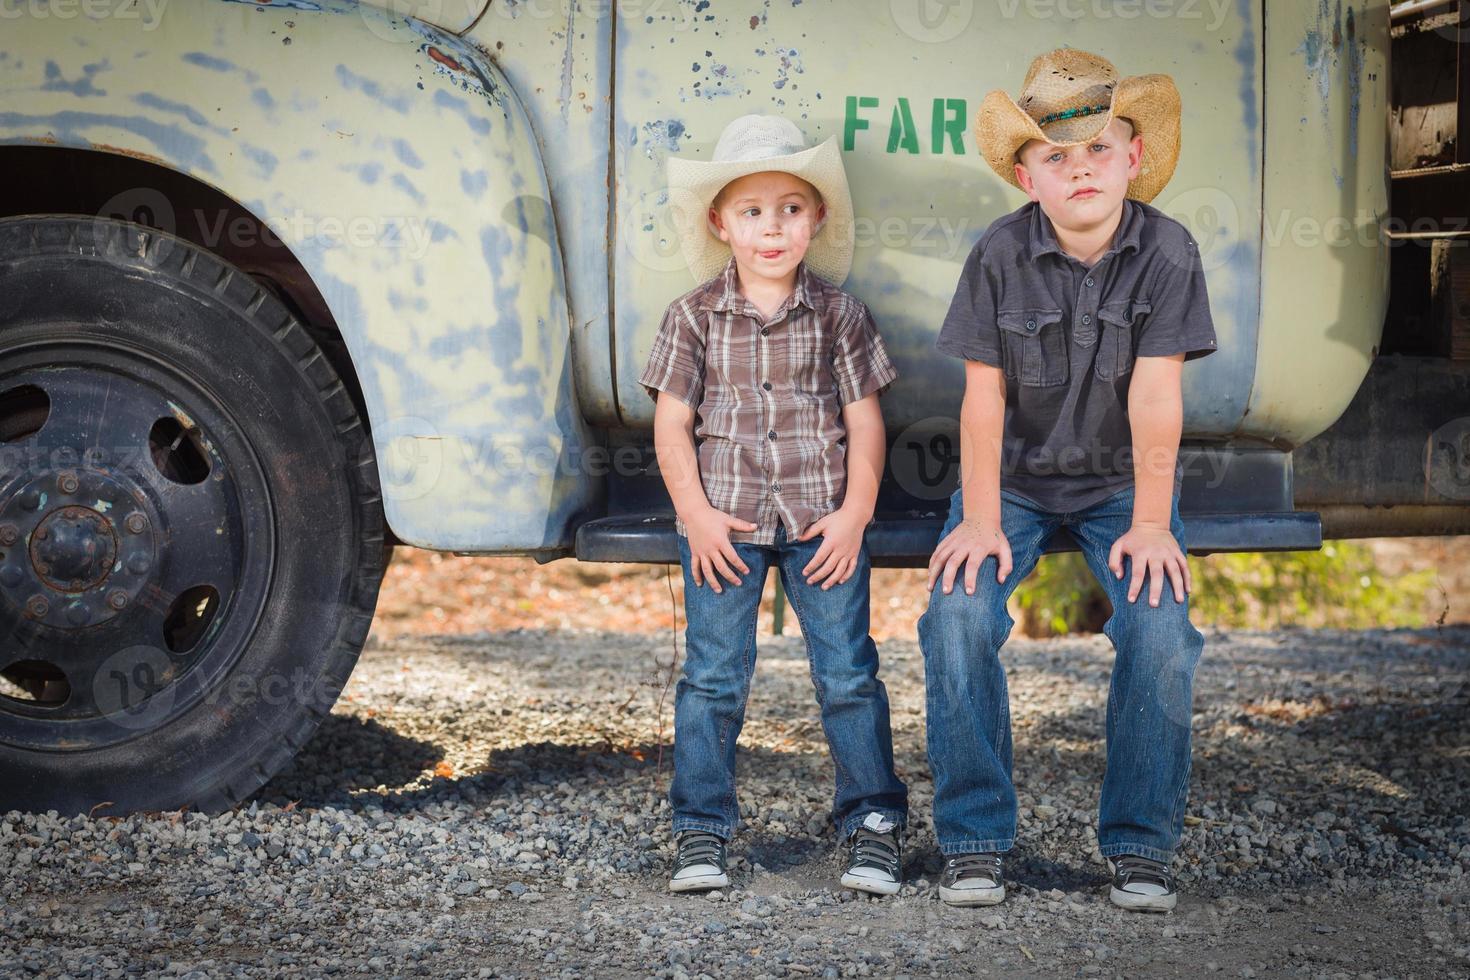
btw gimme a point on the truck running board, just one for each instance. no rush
(908, 542)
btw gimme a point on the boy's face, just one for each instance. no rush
(768, 220)
(1079, 186)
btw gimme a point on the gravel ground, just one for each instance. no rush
(492, 805)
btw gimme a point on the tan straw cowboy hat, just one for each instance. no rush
(1070, 96)
(754, 144)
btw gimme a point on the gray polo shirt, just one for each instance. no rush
(1067, 336)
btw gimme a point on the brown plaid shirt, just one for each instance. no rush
(768, 395)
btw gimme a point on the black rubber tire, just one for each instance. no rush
(102, 283)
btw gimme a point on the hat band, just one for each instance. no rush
(1086, 110)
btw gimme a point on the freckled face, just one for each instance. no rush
(768, 220)
(1081, 184)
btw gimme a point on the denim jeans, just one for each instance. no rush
(1156, 649)
(719, 659)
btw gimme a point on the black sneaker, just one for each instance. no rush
(700, 863)
(875, 859)
(973, 879)
(1141, 884)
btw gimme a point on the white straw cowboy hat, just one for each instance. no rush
(1070, 96)
(754, 144)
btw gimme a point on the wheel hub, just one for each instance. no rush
(76, 547)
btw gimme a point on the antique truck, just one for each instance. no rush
(285, 284)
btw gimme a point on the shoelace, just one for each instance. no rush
(698, 847)
(976, 865)
(880, 850)
(1131, 868)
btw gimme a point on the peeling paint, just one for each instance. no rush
(662, 135)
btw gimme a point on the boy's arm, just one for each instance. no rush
(711, 553)
(842, 530)
(1155, 420)
(982, 425)
(673, 445)
(979, 534)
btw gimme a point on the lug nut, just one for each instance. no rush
(117, 599)
(37, 606)
(42, 532)
(136, 523)
(9, 534)
(67, 482)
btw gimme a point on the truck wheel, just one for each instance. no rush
(191, 530)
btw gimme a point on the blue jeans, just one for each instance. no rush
(1155, 648)
(719, 659)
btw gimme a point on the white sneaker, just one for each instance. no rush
(875, 861)
(1141, 884)
(700, 864)
(973, 879)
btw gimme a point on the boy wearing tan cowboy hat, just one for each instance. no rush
(773, 373)
(1074, 314)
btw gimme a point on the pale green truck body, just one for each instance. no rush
(523, 165)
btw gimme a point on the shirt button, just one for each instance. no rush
(775, 488)
(1086, 318)
(1088, 281)
(766, 385)
(765, 331)
(1030, 324)
(771, 434)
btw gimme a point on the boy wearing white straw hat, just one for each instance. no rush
(1074, 315)
(770, 440)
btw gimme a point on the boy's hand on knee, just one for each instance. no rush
(1155, 552)
(968, 545)
(837, 557)
(711, 554)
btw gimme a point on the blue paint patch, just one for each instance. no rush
(264, 159)
(1245, 56)
(83, 86)
(177, 108)
(404, 184)
(404, 151)
(351, 81)
(402, 303)
(281, 4)
(262, 98)
(438, 232)
(662, 134)
(478, 124)
(474, 184)
(209, 61)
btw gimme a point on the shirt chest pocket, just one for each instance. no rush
(1120, 322)
(1033, 346)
